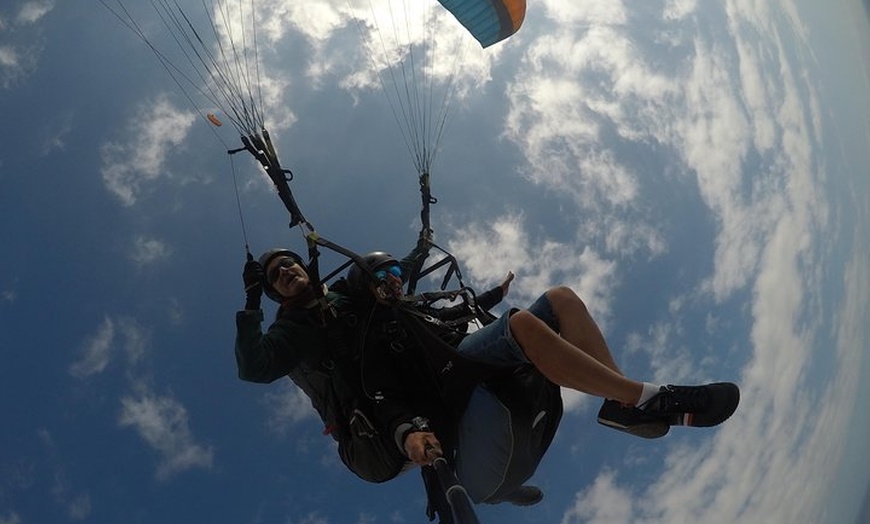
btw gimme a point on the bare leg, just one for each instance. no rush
(568, 366)
(578, 327)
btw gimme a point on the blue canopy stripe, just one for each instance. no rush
(488, 21)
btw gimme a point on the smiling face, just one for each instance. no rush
(389, 281)
(287, 277)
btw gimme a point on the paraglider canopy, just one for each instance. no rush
(488, 21)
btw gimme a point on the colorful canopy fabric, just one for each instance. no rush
(489, 21)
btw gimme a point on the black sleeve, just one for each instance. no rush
(489, 299)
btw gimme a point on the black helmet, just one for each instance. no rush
(358, 280)
(267, 257)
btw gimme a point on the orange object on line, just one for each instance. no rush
(214, 120)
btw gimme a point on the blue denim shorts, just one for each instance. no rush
(486, 441)
(495, 344)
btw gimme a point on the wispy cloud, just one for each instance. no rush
(74, 501)
(78, 507)
(113, 335)
(17, 61)
(286, 407)
(97, 351)
(149, 251)
(32, 12)
(56, 133)
(489, 251)
(603, 501)
(737, 119)
(162, 422)
(582, 100)
(155, 131)
(383, 36)
(19, 56)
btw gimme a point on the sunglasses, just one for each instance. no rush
(396, 271)
(275, 272)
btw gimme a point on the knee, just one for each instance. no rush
(562, 297)
(522, 322)
(526, 329)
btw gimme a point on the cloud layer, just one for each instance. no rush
(743, 124)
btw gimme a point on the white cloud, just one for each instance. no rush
(17, 61)
(604, 501)
(20, 56)
(317, 19)
(670, 361)
(489, 251)
(149, 251)
(581, 97)
(678, 9)
(32, 12)
(8, 57)
(382, 35)
(157, 129)
(576, 402)
(162, 422)
(748, 138)
(235, 26)
(716, 140)
(136, 339)
(591, 12)
(286, 407)
(99, 349)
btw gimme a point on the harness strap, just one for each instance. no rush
(410, 304)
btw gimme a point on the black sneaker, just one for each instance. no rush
(632, 420)
(522, 496)
(700, 406)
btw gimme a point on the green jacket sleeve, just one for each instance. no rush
(265, 357)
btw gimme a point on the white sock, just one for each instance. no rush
(649, 391)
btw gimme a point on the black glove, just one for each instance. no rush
(252, 276)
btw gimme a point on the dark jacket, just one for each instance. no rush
(361, 410)
(411, 367)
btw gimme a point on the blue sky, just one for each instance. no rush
(696, 171)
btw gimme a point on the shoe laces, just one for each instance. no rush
(681, 399)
